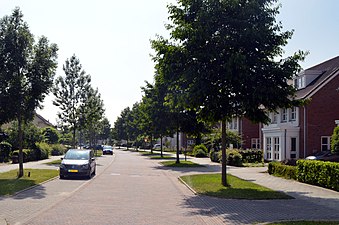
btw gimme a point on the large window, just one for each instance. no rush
(276, 148)
(274, 118)
(325, 143)
(255, 143)
(268, 148)
(293, 147)
(293, 114)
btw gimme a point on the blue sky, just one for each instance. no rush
(111, 39)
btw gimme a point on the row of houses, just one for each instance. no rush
(299, 131)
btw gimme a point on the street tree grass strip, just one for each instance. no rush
(210, 184)
(181, 164)
(10, 184)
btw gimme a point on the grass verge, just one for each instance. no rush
(55, 162)
(163, 157)
(10, 184)
(210, 184)
(306, 223)
(181, 164)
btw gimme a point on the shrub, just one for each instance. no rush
(323, 174)
(5, 150)
(27, 154)
(200, 151)
(281, 170)
(234, 158)
(58, 149)
(42, 150)
(335, 140)
(251, 155)
(214, 155)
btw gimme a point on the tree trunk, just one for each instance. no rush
(73, 141)
(21, 158)
(178, 160)
(151, 144)
(161, 146)
(223, 151)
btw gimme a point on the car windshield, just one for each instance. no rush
(77, 155)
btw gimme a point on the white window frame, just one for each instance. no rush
(274, 118)
(327, 145)
(276, 148)
(269, 148)
(255, 142)
(293, 114)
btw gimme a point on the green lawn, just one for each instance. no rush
(10, 184)
(163, 157)
(307, 223)
(55, 162)
(210, 184)
(181, 164)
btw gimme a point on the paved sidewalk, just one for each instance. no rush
(41, 164)
(310, 203)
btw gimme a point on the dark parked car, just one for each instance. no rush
(78, 162)
(106, 149)
(325, 156)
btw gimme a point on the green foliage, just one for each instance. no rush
(251, 155)
(281, 170)
(70, 93)
(323, 174)
(335, 140)
(58, 149)
(200, 151)
(5, 150)
(214, 155)
(51, 135)
(234, 158)
(42, 150)
(32, 134)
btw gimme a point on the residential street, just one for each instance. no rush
(133, 189)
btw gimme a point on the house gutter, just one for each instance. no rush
(305, 132)
(285, 143)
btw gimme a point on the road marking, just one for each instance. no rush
(115, 174)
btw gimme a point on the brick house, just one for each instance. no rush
(300, 131)
(250, 132)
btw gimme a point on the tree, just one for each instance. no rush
(335, 140)
(222, 58)
(70, 93)
(91, 112)
(27, 70)
(51, 135)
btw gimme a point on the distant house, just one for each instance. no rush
(38, 121)
(300, 131)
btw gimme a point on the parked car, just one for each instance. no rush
(158, 146)
(106, 149)
(324, 156)
(78, 162)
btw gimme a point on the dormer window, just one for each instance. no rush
(304, 78)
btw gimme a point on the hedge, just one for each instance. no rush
(281, 170)
(236, 157)
(323, 174)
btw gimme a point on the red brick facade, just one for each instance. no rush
(248, 131)
(321, 113)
